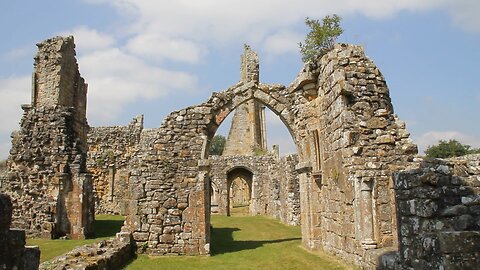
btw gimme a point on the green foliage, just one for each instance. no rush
(258, 151)
(246, 242)
(108, 156)
(217, 145)
(321, 38)
(451, 148)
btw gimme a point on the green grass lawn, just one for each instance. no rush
(238, 242)
(245, 242)
(106, 226)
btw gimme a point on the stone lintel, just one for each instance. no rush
(303, 167)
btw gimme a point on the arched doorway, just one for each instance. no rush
(239, 183)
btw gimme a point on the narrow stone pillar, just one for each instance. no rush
(366, 213)
(310, 217)
(203, 221)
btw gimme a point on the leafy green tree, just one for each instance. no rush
(446, 149)
(217, 145)
(321, 38)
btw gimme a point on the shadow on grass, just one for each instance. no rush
(107, 228)
(223, 242)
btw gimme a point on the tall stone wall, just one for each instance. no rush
(438, 208)
(110, 151)
(274, 188)
(47, 180)
(354, 144)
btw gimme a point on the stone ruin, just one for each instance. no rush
(354, 186)
(48, 180)
(13, 252)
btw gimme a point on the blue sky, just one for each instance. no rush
(153, 57)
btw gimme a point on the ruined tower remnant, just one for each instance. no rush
(51, 191)
(247, 132)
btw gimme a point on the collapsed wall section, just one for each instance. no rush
(438, 208)
(47, 180)
(13, 252)
(110, 150)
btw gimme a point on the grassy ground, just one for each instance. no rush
(245, 242)
(106, 226)
(238, 242)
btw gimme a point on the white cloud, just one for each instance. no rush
(432, 138)
(90, 39)
(161, 47)
(5, 147)
(465, 14)
(283, 42)
(116, 79)
(14, 91)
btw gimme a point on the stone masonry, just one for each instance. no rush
(47, 180)
(247, 132)
(349, 144)
(271, 183)
(274, 188)
(110, 150)
(13, 252)
(438, 208)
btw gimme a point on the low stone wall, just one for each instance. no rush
(108, 254)
(438, 208)
(13, 252)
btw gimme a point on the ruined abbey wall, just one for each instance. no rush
(274, 189)
(438, 207)
(47, 179)
(110, 151)
(354, 144)
(349, 145)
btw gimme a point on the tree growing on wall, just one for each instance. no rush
(217, 145)
(321, 38)
(451, 148)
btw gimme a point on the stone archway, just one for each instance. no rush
(341, 120)
(239, 188)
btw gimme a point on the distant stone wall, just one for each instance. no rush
(274, 189)
(13, 253)
(47, 179)
(108, 254)
(438, 207)
(110, 150)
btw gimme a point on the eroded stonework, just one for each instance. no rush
(438, 206)
(48, 180)
(13, 252)
(274, 189)
(349, 144)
